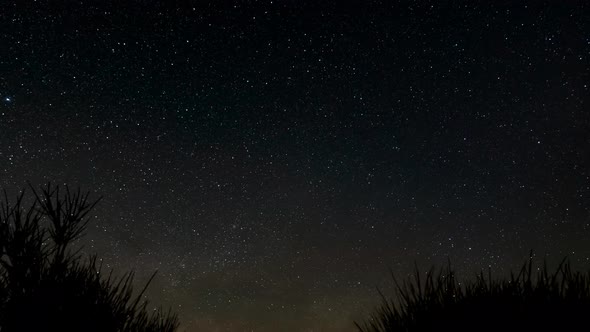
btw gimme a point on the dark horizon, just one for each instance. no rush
(273, 160)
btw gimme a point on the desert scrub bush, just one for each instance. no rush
(531, 300)
(45, 285)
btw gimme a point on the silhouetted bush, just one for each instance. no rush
(529, 301)
(45, 286)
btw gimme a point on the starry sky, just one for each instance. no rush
(274, 159)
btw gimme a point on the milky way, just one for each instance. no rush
(273, 160)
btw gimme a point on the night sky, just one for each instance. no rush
(274, 159)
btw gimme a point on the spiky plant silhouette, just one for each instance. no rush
(527, 301)
(45, 285)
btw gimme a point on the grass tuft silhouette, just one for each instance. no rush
(527, 301)
(45, 286)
